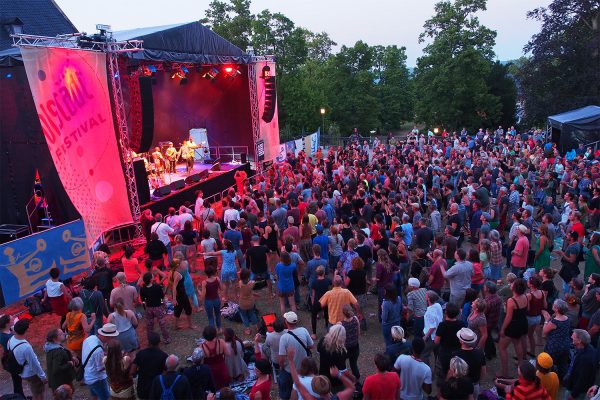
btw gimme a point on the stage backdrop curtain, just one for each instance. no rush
(70, 91)
(269, 131)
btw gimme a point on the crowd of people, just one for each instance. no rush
(471, 244)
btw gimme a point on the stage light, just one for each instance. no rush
(152, 69)
(214, 71)
(231, 72)
(229, 69)
(9, 75)
(184, 69)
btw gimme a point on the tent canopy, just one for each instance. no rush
(186, 43)
(585, 119)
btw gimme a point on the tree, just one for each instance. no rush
(563, 70)
(231, 20)
(393, 85)
(451, 79)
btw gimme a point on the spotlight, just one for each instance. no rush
(184, 69)
(9, 75)
(152, 69)
(229, 69)
(232, 72)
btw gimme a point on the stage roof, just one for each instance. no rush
(39, 17)
(585, 118)
(188, 42)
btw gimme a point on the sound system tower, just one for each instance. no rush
(178, 185)
(141, 181)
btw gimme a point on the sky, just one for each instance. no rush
(376, 22)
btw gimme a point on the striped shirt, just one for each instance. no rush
(496, 253)
(416, 302)
(525, 390)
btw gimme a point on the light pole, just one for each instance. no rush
(322, 120)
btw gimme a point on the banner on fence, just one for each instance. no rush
(298, 146)
(25, 263)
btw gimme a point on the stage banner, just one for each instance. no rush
(25, 263)
(315, 140)
(267, 107)
(291, 147)
(307, 145)
(70, 90)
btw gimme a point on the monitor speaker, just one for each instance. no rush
(178, 185)
(163, 191)
(141, 181)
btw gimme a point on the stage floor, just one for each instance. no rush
(198, 167)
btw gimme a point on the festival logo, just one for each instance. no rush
(25, 263)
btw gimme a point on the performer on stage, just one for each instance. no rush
(187, 153)
(172, 156)
(159, 161)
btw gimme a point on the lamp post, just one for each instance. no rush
(322, 120)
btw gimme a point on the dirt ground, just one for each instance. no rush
(371, 341)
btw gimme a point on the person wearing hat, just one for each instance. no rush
(416, 305)
(92, 355)
(199, 375)
(518, 261)
(548, 378)
(472, 355)
(298, 339)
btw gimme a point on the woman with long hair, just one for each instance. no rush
(336, 247)
(215, 350)
(120, 382)
(190, 238)
(352, 326)
(179, 297)
(228, 269)
(495, 255)
(332, 352)
(384, 274)
(236, 366)
(592, 257)
(285, 271)
(526, 387)
(514, 326)
(58, 295)
(542, 253)
(391, 312)
(188, 283)
(536, 303)
(305, 245)
(76, 326)
(126, 322)
(478, 277)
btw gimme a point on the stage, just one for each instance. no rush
(215, 182)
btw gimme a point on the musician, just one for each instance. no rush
(158, 160)
(172, 156)
(187, 153)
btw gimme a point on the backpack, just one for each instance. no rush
(167, 393)
(10, 363)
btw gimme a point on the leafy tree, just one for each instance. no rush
(451, 80)
(232, 20)
(502, 85)
(563, 70)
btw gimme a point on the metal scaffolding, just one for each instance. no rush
(112, 49)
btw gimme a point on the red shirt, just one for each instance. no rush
(522, 247)
(528, 391)
(578, 227)
(436, 272)
(382, 386)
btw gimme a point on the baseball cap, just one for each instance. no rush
(291, 317)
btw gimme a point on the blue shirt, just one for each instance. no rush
(408, 232)
(390, 313)
(228, 261)
(310, 272)
(234, 236)
(322, 241)
(285, 275)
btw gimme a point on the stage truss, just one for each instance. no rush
(112, 49)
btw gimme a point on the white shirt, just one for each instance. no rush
(25, 356)
(183, 218)
(198, 206)
(231, 214)
(433, 316)
(53, 288)
(162, 230)
(94, 370)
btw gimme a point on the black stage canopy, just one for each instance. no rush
(184, 43)
(571, 128)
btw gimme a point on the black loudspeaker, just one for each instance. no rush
(178, 185)
(141, 181)
(270, 94)
(216, 167)
(244, 158)
(162, 191)
(147, 114)
(196, 177)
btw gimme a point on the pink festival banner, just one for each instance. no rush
(70, 90)
(268, 115)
